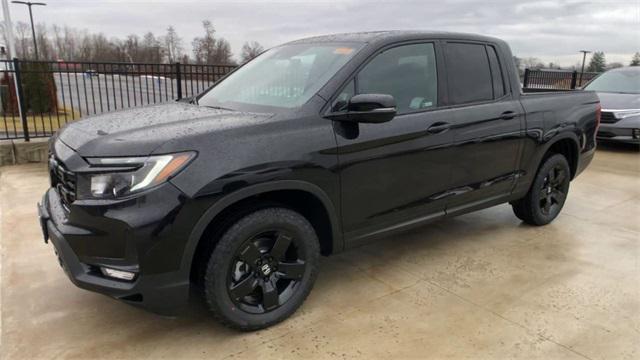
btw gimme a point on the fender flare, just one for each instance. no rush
(230, 199)
(559, 137)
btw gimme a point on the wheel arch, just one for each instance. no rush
(567, 145)
(269, 193)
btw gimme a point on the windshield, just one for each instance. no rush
(621, 81)
(283, 77)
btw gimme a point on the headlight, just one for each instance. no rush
(118, 177)
(621, 114)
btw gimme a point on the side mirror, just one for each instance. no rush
(368, 108)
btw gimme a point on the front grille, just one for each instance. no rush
(607, 118)
(63, 180)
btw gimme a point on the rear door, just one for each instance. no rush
(487, 125)
(394, 174)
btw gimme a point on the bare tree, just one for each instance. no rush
(518, 62)
(532, 63)
(131, 48)
(101, 48)
(209, 50)
(204, 47)
(151, 49)
(553, 65)
(223, 54)
(72, 38)
(23, 39)
(172, 45)
(85, 49)
(58, 42)
(45, 48)
(64, 43)
(251, 50)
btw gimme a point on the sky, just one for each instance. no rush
(553, 31)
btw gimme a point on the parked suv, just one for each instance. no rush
(313, 147)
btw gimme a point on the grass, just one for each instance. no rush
(38, 123)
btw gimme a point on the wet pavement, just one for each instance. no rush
(483, 285)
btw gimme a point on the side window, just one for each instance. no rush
(468, 73)
(407, 72)
(342, 100)
(496, 73)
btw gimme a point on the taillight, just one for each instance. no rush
(598, 115)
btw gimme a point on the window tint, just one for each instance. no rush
(407, 72)
(468, 73)
(496, 73)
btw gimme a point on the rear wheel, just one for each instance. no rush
(547, 195)
(262, 269)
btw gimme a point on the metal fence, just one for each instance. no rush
(555, 79)
(38, 97)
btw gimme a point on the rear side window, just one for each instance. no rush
(496, 73)
(468, 73)
(406, 72)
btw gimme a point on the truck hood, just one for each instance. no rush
(139, 131)
(615, 101)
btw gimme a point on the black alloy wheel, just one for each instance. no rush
(262, 268)
(547, 194)
(266, 272)
(552, 194)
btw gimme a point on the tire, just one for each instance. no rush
(262, 269)
(548, 193)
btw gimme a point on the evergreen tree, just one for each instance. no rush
(597, 62)
(635, 60)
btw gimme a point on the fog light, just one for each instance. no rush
(118, 274)
(636, 133)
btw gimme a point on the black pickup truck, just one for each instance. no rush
(313, 147)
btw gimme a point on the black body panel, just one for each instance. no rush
(365, 180)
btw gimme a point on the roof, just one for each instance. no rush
(391, 35)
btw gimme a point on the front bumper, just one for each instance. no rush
(617, 133)
(127, 237)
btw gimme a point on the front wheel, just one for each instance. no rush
(262, 269)
(547, 195)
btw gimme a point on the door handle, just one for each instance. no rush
(438, 127)
(508, 115)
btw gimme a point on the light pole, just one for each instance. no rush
(584, 57)
(33, 30)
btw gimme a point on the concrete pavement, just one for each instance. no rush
(479, 286)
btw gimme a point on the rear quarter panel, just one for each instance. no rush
(551, 117)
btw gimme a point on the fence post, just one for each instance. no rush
(179, 81)
(21, 105)
(525, 81)
(574, 78)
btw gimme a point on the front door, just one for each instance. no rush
(394, 174)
